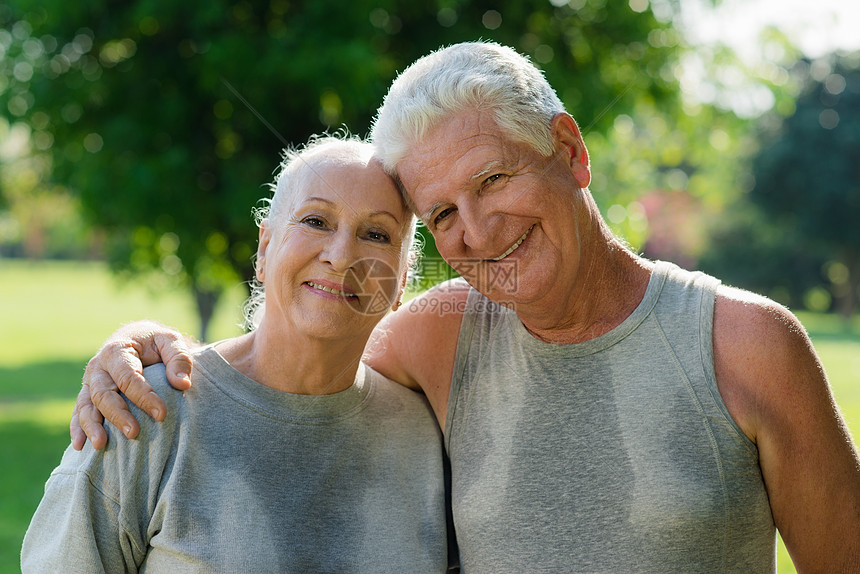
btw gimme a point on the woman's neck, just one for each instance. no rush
(293, 364)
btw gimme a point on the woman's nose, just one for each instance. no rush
(340, 252)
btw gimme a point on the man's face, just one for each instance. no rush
(502, 215)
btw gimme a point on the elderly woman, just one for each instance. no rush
(287, 454)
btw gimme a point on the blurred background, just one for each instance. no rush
(136, 137)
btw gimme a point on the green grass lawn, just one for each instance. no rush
(54, 316)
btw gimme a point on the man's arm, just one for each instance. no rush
(118, 367)
(417, 344)
(775, 388)
(414, 346)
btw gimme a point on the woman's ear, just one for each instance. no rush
(567, 137)
(262, 247)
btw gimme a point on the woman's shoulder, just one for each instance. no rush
(156, 376)
(208, 364)
(123, 461)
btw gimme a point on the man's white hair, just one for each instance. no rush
(480, 76)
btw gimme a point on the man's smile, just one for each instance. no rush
(514, 247)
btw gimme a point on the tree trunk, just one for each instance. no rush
(206, 301)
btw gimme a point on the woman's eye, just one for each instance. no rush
(314, 221)
(378, 236)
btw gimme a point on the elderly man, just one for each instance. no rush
(602, 412)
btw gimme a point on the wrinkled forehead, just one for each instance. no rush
(324, 170)
(458, 150)
(349, 181)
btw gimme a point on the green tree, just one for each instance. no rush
(166, 117)
(807, 177)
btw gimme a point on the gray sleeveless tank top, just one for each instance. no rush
(613, 455)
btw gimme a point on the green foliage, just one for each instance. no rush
(36, 219)
(749, 250)
(685, 153)
(38, 436)
(55, 315)
(807, 174)
(166, 117)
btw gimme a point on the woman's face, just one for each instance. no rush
(331, 260)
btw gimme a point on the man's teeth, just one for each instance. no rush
(513, 247)
(330, 290)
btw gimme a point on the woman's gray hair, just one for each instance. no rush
(291, 175)
(471, 75)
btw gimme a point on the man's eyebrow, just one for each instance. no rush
(486, 169)
(429, 213)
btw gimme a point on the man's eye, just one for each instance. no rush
(442, 215)
(492, 178)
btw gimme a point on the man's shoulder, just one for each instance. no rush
(452, 293)
(760, 348)
(401, 405)
(390, 390)
(755, 314)
(434, 313)
(416, 345)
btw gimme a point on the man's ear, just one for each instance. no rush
(262, 247)
(567, 137)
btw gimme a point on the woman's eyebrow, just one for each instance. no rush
(385, 213)
(320, 199)
(377, 213)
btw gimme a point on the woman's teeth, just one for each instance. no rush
(330, 290)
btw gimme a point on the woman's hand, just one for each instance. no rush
(118, 368)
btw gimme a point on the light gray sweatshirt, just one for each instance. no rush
(243, 478)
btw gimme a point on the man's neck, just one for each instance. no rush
(607, 288)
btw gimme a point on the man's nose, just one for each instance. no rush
(480, 228)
